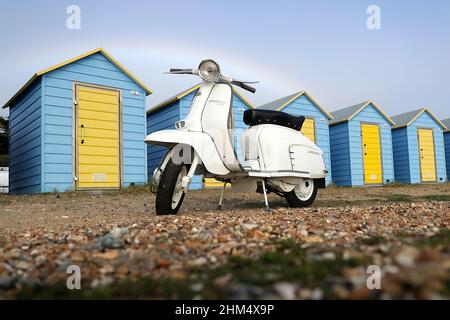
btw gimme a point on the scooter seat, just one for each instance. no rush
(253, 117)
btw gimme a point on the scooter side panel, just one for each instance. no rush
(285, 150)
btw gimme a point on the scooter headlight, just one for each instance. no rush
(209, 70)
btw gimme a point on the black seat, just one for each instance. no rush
(253, 117)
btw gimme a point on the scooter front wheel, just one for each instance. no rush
(170, 195)
(303, 194)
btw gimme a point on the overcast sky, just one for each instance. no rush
(322, 46)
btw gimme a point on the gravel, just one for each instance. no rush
(118, 236)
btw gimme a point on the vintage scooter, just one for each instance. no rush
(277, 157)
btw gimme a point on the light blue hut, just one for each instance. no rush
(164, 115)
(315, 126)
(79, 125)
(446, 122)
(418, 142)
(361, 146)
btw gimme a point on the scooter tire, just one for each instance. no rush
(295, 202)
(166, 189)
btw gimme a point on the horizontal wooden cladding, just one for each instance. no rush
(98, 128)
(110, 115)
(97, 92)
(94, 159)
(97, 150)
(99, 107)
(25, 142)
(103, 168)
(100, 100)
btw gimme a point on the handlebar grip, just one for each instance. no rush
(175, 70)
(248, 88)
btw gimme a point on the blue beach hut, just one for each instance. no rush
(418, 142)
(361, 146)
(79, 125)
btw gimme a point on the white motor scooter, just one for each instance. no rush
(277, 157)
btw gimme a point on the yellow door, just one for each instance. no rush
(98, 140)
(427, 156)
(309, 130)
(373, 172)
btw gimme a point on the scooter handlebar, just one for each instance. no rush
(248, 88)
(244, 86)
(180, 71)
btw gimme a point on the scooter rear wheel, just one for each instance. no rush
(303, 194)
(170, 195)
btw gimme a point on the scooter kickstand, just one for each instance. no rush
(219, 207)
(265, 196)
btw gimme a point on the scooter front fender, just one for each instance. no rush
(200, 141)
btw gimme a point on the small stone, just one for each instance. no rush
(104, 281)
(286, 290)
(75, 238)
(109, 242)
(164, 263)
(106, 269)
(77, 256)
(328, 256)
(312, 239)
(7, 282)
(108, 255)
(249, 226)
(181, 249)
(118, 232)
(316, 294)
(255, 233)
(407, 256)
(223, 238)
(23, 265)
(40, 261)
(224, 280)
(13, 254)
(199, 262)
(197, 287)
(303, 232)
